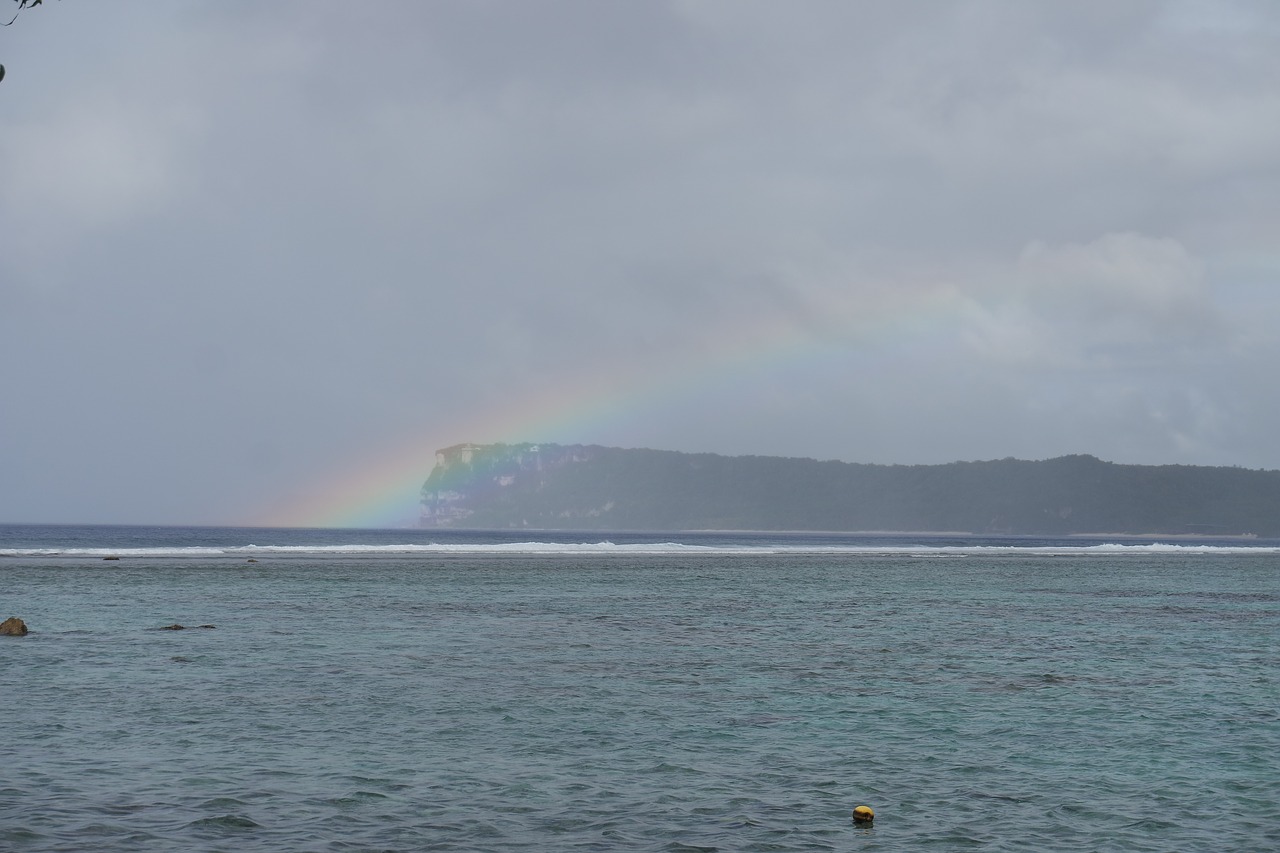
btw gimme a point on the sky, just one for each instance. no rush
(258, 261)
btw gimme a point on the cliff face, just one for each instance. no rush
(600, 488)
(496, 485)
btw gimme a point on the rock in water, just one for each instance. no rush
(13, 627)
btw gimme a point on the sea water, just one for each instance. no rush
(415, 690)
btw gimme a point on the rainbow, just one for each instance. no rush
(902, 320)
(383, 488)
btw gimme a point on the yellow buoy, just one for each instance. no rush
(864, 814)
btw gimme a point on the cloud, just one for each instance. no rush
(290, 234)
(1121, 301)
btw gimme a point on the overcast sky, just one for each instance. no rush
(248, 250)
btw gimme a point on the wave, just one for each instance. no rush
(647, 548)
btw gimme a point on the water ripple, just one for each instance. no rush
(657, 703)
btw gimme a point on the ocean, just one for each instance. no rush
(410, 690)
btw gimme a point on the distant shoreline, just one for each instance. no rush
(930, 534)
(588, 487)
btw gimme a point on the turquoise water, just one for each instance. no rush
(498, 696)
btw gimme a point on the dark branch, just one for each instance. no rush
(23, 4)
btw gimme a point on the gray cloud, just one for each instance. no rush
(246, 246)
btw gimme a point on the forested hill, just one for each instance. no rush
(602, 488)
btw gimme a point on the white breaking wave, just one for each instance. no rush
(650, 548)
